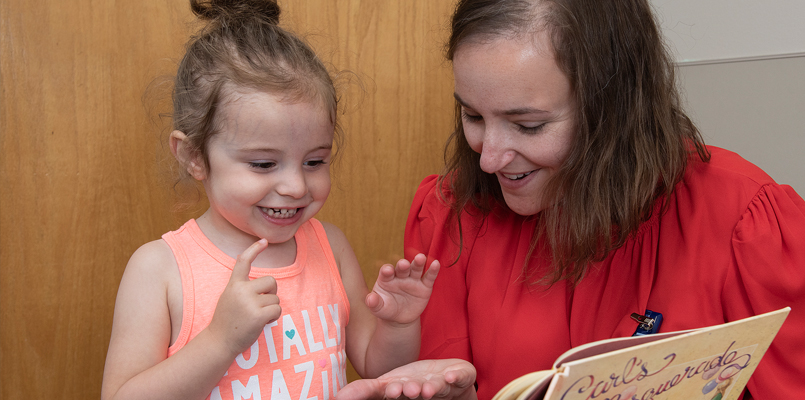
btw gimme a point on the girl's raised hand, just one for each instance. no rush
(245, 306)
(401, 292)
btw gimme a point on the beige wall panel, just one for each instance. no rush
(82, 180)
(755, 108)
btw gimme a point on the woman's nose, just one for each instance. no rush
(496, 152)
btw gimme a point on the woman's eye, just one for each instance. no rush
(261, 165)
(529, 130)
(470, 117)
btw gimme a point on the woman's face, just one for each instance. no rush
(518, 113)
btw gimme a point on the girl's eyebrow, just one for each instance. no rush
(514, 111)
(258, 149)
(323, 147)
(272, 150)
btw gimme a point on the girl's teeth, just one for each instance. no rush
(517, 176)
(280, 212)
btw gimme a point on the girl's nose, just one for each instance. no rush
(293, 184)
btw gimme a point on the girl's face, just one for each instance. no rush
(268, 167)
(517, 112)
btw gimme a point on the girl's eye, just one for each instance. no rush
(470, 118)
(262, 165)
(529, 130)
(315, 163)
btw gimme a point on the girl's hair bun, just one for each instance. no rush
(217, 9)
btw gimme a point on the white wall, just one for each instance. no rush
(742, 73)
(707, 30)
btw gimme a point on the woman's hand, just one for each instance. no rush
(426, 379)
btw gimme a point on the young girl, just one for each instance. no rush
(255, 298)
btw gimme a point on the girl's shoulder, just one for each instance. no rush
(347, 263)
(336, 238)
(153, 273)
(153, 256)
(152, 265)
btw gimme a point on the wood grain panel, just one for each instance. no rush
(395, 127)
(80, 189)
(82, 174)
(398, 116)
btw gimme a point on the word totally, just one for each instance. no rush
(290, 361)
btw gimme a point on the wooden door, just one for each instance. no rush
(83, 178)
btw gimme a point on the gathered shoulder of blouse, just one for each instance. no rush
(731, 244)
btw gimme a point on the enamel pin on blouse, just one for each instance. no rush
(648, 323)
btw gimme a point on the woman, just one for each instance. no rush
(577, 192)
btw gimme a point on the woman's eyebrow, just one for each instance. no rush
(514, 111)
(458, 99)
(524, 110)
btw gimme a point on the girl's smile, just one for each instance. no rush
(282, 216)
(268, 170)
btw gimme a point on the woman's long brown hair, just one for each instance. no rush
(632, 141)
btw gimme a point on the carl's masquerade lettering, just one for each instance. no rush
(637, 370)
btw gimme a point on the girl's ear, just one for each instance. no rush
(188, 158)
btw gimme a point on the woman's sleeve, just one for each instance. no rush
(769, 255)
(444, 321)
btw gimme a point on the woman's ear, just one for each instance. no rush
(191, 160)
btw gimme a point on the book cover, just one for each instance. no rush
(712, 363)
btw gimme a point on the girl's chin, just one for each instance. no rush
(276, 237)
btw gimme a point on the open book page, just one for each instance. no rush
(610, 345)
(707, 363)
(526, 384)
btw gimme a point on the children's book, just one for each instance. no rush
(712, 363)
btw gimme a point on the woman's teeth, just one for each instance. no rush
(517, 176)
(280, 212)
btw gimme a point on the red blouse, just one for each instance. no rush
(731, 245)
